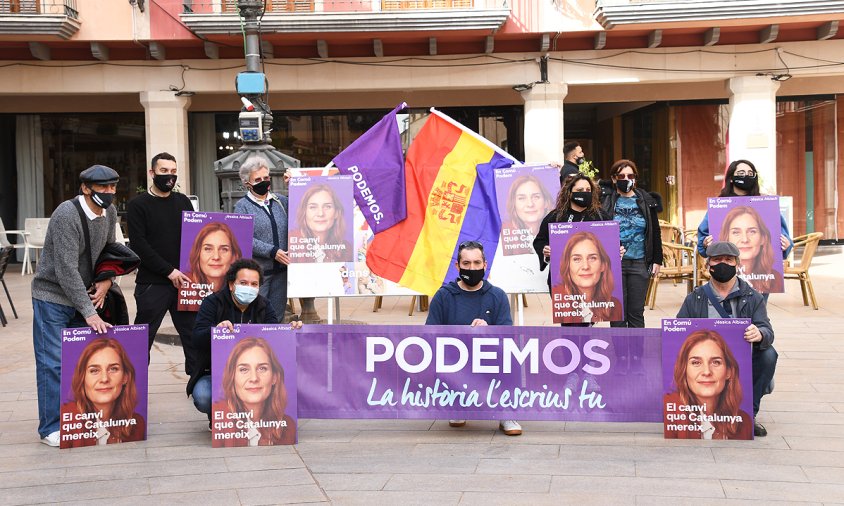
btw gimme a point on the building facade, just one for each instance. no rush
(680, 87)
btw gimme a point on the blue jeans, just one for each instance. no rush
(764, 366)
(202, 395)
(48, 320)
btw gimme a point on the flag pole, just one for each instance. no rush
(476, 135)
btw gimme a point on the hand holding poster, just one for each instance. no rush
(254, 386)
(708, 379)
(752, 224)
(586, 272)
(211, 242)
(104, 386)
(321, 219)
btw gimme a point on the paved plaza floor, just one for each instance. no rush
(426, 462)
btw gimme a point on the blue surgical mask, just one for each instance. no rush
(245, 294)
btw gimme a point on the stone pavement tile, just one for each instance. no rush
(784, 396)
(795, 386)
(805, 418)
(777, 457)
(290, 494)
(368, 498)
(308, 449)
(619, 485)
(469, 483)
(566, 438)
(9, 396)
(180, 427)
(330, 436)
(698, 501)
(272, 461)
(435, 436)
(205, 451)
(229, 480)
(361, 425)
(788, 491)
(803, 354)
(771, 404)
(637, 427)
(631, 453)
(145, 470)
(826, 387)
(5, 416)
(55, 492)
(493, 450)
(204, 498)
(169, 387)
(772, 441)
(562, 466)
(825, 474)
(835, 444)
(377, 462)
(795, 429)
(580, 498)
(718, 471)
(839, 407)
(351, 481)
(29, 478)
(44, 457)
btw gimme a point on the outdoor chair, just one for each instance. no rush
(677, 265)
(21, 244)
(5, 258)
(36, 230)
(809, 243)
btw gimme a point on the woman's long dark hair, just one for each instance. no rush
(727, 190)
(564, 197)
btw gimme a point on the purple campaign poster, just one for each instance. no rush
(321, 219)
(254, 386)
(211, 242)
(585, 272)
(104, 386)
(752, 224)
(525, 195)
(707, 379)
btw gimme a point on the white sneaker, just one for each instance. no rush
(456, 423)
(510, 427)
(51, 439)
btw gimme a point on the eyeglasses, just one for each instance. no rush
(741, 173)
(631, 177)
(261, 179)
(470, 245)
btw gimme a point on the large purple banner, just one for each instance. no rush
(104, 386)
(585, 272)
(707, 379)
(450, 372)
(752, 224)
(211, 242)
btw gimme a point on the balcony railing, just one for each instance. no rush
(303, 6)
(62, 7)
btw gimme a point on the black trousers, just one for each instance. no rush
(634, 276)
(153, 301)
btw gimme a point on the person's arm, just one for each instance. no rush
(762, 322)
(205, 319)
(436, 315)
(542, 240)
(141, 225)
(702, 234)
(686, 308)
(656, 241)
(269, 314)
(502, 306)
(785, 238)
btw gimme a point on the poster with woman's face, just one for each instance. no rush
(253, 375)
(103, 386)
(752, 224)
(321, 222)
(525, 195)
(707, 379)
(211, 242)
(585, 272)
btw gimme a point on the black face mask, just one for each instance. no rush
(579, 160)
(745, 183)
(261, 188)
(472, 276)
(582, 198)
(102, 199)
(164, 182)
(722, 272)
(624, 185)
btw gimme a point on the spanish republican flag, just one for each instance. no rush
(450, 199)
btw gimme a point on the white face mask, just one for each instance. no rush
(245, 294)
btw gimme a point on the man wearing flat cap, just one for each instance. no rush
(60, 289)
(728, 296)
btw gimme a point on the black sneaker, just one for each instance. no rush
(759, 430)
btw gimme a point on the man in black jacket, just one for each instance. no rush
(728, 296)
(155, 229)
(573, 157)
(237, 302)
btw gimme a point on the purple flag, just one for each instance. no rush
(376, 165)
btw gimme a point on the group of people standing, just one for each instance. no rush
(255, 290)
